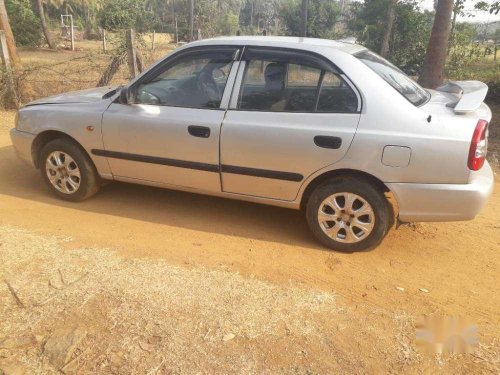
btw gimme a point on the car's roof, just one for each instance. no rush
(284, 41)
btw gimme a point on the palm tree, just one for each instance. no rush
(5, 25)
(432, 74)
(45, 29)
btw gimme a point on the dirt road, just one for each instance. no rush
(377, 295)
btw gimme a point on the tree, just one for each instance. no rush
(191, 20)
(122, 14)
(410, 31)
(493, 8)
(5, 25)
(24, 23)
(432, 74)
(321, 17)
(391, 9)
(45, 29)
(303, 18)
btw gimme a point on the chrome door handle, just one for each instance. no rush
(199, 131)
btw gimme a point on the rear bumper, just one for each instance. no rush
(444, 202)
(22, 142)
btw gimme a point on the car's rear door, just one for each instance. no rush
(291, 114)
(169, 132)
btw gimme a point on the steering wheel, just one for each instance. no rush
(208, 87)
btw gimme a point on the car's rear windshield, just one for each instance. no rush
(395, 77)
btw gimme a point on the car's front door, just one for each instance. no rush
(168, 132)
(292, 113)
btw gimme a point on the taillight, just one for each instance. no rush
(478, 146)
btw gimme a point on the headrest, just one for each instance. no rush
(275, 76)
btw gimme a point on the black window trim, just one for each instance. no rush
(173, 58)
(326, 65)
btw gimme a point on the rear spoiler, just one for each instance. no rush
(470, 94)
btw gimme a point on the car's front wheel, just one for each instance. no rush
(68, 171)
(348, 214)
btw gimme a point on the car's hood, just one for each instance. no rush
(81, 96)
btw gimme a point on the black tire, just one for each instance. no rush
(89, 180)
(363, 188)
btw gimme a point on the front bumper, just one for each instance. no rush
(22, 142)
(444, 202)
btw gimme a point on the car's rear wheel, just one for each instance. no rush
(68, 171)
(348, 214)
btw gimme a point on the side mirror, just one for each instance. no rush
(124, 94)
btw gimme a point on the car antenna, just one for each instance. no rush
(429, 119)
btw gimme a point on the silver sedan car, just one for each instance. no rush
(323, 126)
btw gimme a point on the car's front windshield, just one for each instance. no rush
(395, 77)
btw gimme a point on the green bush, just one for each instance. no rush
(25, 24)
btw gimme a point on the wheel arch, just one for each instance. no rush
(47, 136)
(338, 173)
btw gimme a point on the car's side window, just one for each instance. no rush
(336, 95)
(195, 81)
(277, 85)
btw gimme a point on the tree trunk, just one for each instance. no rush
(251, 13)
(45, 29)
(5, 25)
(191, 16)
(303, 18)
(391, 12)
(432, 74)
(452, 31)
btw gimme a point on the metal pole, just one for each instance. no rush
(153, 41)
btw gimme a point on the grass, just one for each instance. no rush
(139, 314)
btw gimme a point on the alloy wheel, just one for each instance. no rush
(346, 217)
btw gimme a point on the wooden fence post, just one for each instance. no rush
(176, 32)
(153, 41)
(72, 33)
(131, 55)
(104, 42)
(4, 54)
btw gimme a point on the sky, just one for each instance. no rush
(469, 7)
